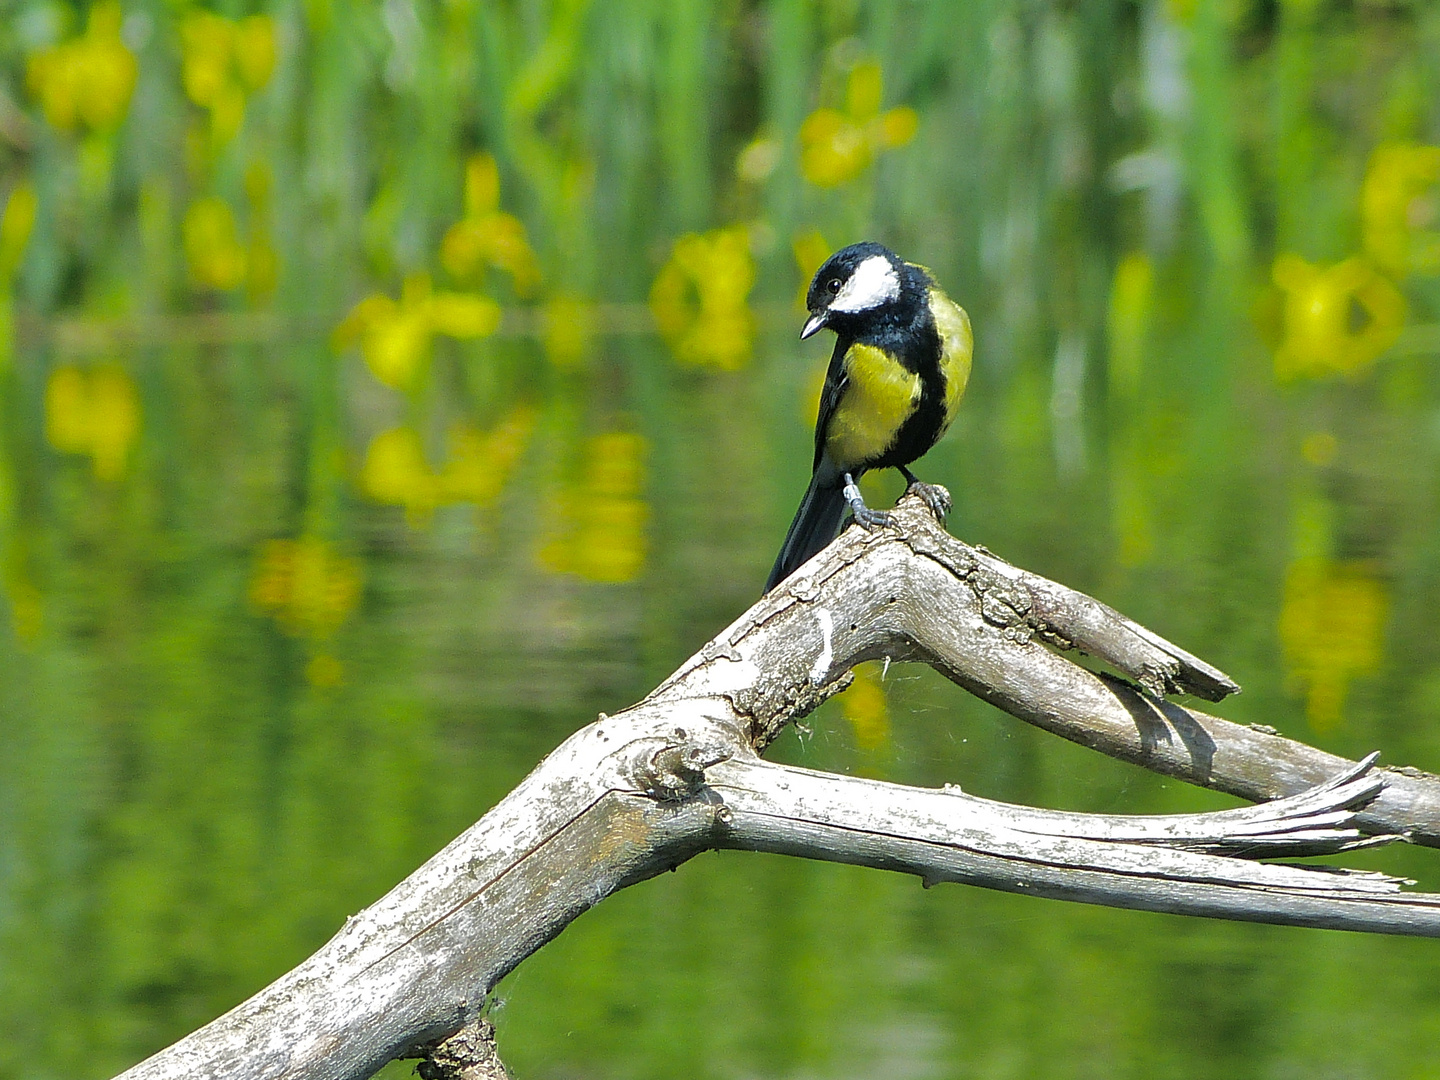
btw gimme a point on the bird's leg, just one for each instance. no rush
(933, 495)
(864, 516)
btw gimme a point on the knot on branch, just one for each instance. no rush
(469, 1054)
(673, 768)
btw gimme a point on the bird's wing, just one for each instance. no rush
(836, 380)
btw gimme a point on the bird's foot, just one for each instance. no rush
(932, 495)
(864, 516)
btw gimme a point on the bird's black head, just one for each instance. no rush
(857, 284)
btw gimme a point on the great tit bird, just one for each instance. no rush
(901, 360)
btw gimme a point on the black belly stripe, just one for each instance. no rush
(917, 346)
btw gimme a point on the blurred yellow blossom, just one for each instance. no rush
(837, 146)
(569, 326)
(213, 249)
(223, 61)
(699, 298)
(395, 335)
(305, 585)
(758, 159)
(1337, 319)
(864, 706)
(1331, 627)
(1400, 209)
(1128, 324)
(811, 251)
(86, 81)
(597, 527)
(262, 262)
(27, 608)
(94, 412)
(396, 471)
(16, 222)
(486, 236)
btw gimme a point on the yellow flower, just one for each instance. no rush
(1331, 626)
(1131, 298)
(395, 336)
(1337, 319)
(223, 61)
(699, 298)
(1399, 209)
(569, 325)
(864, 706)
(213, 250)
(86, 81)
(481, 461)
(486, 236)
(255, 51)
(95, 412)
(396, 471)
(305, 585)
(597, 528)
(16, 222)
(838, 146)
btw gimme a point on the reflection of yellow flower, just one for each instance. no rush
(1337, 319)
(486, 236)
(395, 336)
(308, 587)
(864, 706)
(1399, 209)
(597, 529)
(479, 463)
(698, 298)
(810, 251)
(262, 262)
(838, 146)
(223, 61)
(94, 412)
(1129, 321)
(213, 249)
(15, 225)
(88, 80)
(1331, 625)
(569, 325)
(16, 221)
(27, 608)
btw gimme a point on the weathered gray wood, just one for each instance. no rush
(635, 794)
(944, 838)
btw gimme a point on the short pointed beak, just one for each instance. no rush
(814, 324)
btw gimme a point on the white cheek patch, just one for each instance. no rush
(873, 283)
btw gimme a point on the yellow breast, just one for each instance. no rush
(880, 395)
(957, 345)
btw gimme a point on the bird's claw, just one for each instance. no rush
(864, 516)
(871, 519)
(932, 495)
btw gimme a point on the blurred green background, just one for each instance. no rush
(387, 386)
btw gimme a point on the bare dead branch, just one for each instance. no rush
(638, 793)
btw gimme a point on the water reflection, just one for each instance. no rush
(386, 389)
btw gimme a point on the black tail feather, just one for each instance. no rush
(816, 523)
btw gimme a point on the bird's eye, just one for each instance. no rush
(833, 285)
